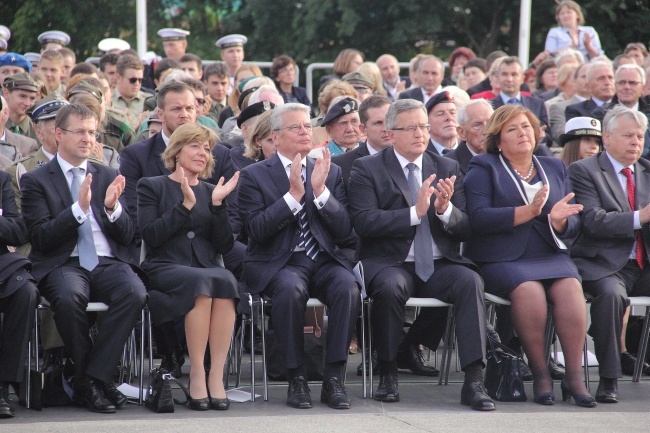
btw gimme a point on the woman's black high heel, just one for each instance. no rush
(584, 400)
(196, 403)
(219, 403)
(546, 399)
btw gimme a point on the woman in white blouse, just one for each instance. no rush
(570, 33)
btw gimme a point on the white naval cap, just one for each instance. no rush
(3, 45)
(33, 57)
(54, 36)
(5, 33)
(173, 34)
(231, 41)
(111, 44)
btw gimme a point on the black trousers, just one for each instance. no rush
(451, 283)
(333, 285)
(607, 309)
(70, 287)
(17, 324)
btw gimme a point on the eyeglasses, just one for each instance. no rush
(134, 80)
(297, 128)
(413, 128)
(200, 101)
(623, 83)
(82, 133)
(286, 70)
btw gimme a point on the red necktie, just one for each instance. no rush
(631, 194)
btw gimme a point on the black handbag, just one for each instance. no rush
(503, 373)
(159, 396)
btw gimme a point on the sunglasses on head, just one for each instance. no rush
(135, 80)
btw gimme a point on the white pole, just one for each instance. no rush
(141, 26)
(524, 31)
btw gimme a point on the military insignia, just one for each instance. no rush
(347, 108)
(450, 96)
(267, 105)
(594, 123)
(39, 163)
(13, 58)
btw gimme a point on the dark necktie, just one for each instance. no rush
(423, 243)
(514, 101)
(446, 150)
(85, 244)
(307, 239)
(631, 198)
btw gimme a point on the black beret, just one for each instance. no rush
(341, 108)
(439, 98)
(254, 110)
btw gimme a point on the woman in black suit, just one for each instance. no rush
(520, 208)
(184, 223)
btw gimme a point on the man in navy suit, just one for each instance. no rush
(511, 78)
(600, 80)
(410, 230)
(293, 227)
(80, 237)
(430, 74)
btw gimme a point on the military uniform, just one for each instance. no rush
(115, 133)
(26, 128)
(215, 110)
(134, 106)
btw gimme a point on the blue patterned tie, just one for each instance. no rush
(307, 239)
(514, 101)
(423, 243)
(85, 244)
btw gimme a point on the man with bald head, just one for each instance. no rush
(389, 68)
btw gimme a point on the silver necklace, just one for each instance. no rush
(529, 175)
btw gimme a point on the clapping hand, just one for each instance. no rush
(424, 197)
(538, 201)
(85, 194)
(443, 194)
(296, 185)
(189, 200)
(321, 170)
(114, 191)
(221, 190)
(562, 210)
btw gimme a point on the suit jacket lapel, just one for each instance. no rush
(159, 148)
(362, 150)
(612, 180)
(60, 183)
(464, 155)
(397, 173)
(278, 174)
(642, 185)
(97, 201)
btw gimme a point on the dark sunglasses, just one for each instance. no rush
(201, 101)
(135, 80)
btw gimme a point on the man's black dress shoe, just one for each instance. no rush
(6, 411)
(475, 395)
(298, 394)
(51, 359)
(627, 365)
(607, 390)
(410, 357)
(88, 393)
(526, 372)
(557, 372)
(172, 364)
(334, 394)
(375, 364)
(113, 394)
(387, 391)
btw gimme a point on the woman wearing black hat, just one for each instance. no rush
(582, 139)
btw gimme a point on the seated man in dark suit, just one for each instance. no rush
(441, 112)
(372, 112)
(80, 236)
(410, 246)
(611, 251)
(511, 78)
(18, 296)
(472, 119)
(429, 75)
(293, 227)
(600, 80)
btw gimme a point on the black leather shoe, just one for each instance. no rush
(557, 372)
(172, 364)
(375, 364)
(526, 372)
(298, 394)
(51, 359)
(387, 391)
(410, 357)
(88, 392)
(6, 411)
(627, 364)
(219, 403)
(607, 391)
(475, 395)
(334, 394)
(113, 394)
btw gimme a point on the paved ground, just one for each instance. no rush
(425, 407)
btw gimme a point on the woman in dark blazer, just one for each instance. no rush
(283, 73)
(520, 209)
(184, 223)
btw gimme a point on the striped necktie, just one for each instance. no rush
(307, 239)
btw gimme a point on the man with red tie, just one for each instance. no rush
(611, 250)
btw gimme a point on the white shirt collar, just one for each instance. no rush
(403, 161)
(49, 155)
(4, 136)
(164, 137)
(599, 102)
(426, 97)
(617, 165)
(66, 166)
(439, 147)
(371, 150)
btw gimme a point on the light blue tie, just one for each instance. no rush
(423, 243)
(514, 101)
(85, 244)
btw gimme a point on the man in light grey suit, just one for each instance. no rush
(611, 250)
(556, 108)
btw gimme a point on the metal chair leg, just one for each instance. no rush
(643, 346)
(265, 379)
(363, 349)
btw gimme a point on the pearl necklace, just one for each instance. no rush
(529, 175)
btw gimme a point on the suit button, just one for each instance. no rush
(19, 278)
(408, 241)
(190, 235)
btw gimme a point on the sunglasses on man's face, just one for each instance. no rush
(135, 80)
